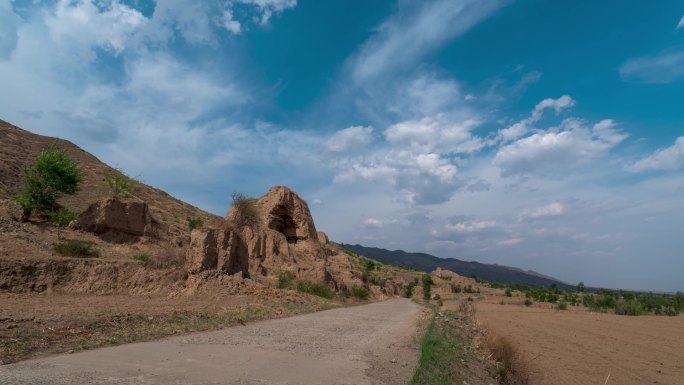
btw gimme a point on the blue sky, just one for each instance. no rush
(541, 134)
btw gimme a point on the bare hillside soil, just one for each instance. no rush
(577, 347)
(371, 344)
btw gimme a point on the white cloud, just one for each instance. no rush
(522, 127)
(372, 223)
(558, 149)
(469, 227)
(269, 7)
(665, 67)
(681, 23)
(435, 134)
(415, 30)
(670, 158)
(8, 29)
(551, 210)
(352, 139)
(79, 26)
(510, 241)
(230, 23)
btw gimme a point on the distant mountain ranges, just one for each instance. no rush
(489, 272)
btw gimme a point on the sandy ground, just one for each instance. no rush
(576, 347)
(370, 344)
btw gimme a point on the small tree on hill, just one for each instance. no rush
(245, 213)
(50, 176)
(120, 184)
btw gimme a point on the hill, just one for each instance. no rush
(428, 263)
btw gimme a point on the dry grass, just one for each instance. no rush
(511, 369)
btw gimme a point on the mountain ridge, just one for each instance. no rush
(427, 262)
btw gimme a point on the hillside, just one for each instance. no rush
(20, 147)
(428, 263)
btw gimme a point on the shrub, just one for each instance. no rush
(408, 290)
(285, 279)
(437, 296)
(50, 176)
(509, 293)
(246, 212)
(369, 265)
(76, 248)
(142, 257)
(456, 288)
(319, 289)
(375, 280)
(528, 302)
(62, 217)
(631, 307)
(440, 303)
(120, 184)
(360, 292)
(427, 284)
(194, 223)
(446, 277)
(562, 306)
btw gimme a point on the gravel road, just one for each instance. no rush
(369, 344)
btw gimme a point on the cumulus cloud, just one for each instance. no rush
(353, 138)
(551, 210)
(670, 158)
(435, 134)
(550, 152)
(522, 127)
(665, 67)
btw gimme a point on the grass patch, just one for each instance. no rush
(360, 292)
(145, 258)
(443, 352)
(76, 248)
(319, 289)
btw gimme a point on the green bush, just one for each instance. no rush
(120, 184)
(194, 223)
(375, 280)
(50, 176)
(427, 284)
(631, 307)
(360, 292)
(62, 217)
(446, 277)
(76, 248)
(408, 290)
(319, 289)
(562, 306)
(528, 302)
(285, 279)
(142, 257)
(456, 288)
(369, 265)
(509, 293)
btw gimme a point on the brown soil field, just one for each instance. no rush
(578, 347)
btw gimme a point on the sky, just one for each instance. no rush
(545, 135)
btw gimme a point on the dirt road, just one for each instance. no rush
(370, 344)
